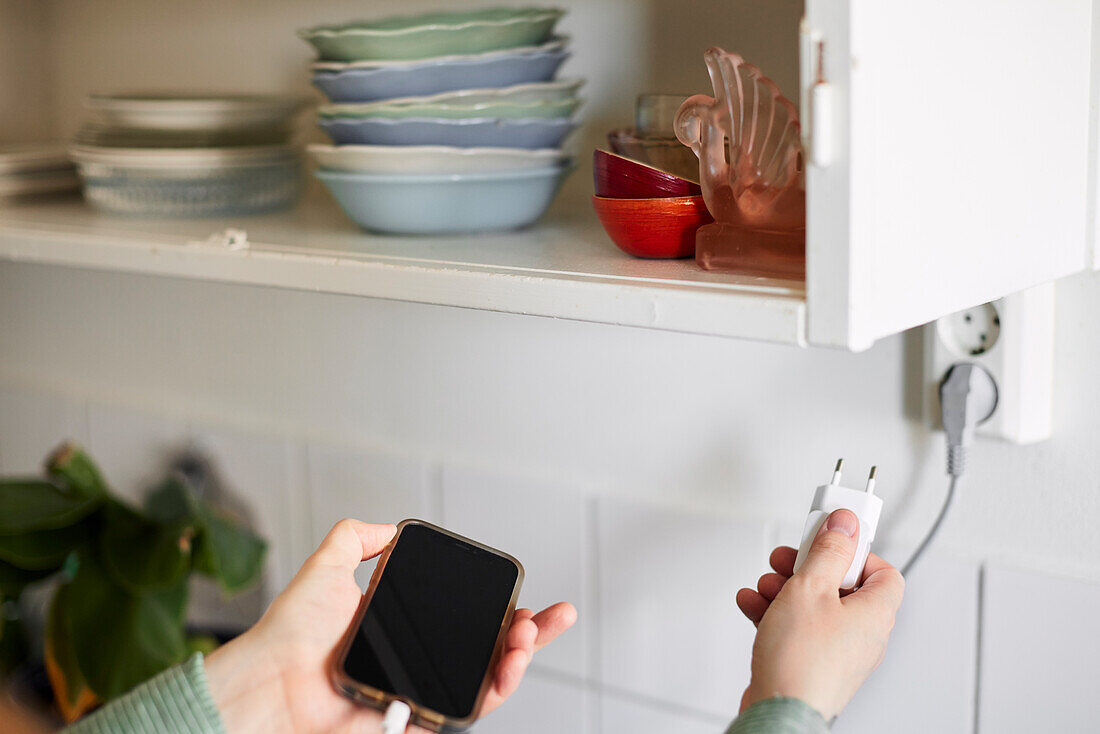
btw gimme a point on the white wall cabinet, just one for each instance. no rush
(965, 155)
(965, 159)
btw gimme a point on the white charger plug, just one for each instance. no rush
(864, 504)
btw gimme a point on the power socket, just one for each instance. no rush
(1013, 339)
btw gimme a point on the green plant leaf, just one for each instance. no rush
(14, 645)
(27, 505)
(59, 647)
(76, 470)
(171, 502)
(225, 550)
(42, 549)
(230, 553)
(14, 579)
(121, 638)
(141, 554)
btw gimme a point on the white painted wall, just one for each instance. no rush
(709, 448)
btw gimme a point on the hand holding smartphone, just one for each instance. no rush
(431, 626)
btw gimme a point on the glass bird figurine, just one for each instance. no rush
(747, 139)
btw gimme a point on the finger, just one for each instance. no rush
(523, 614)
(874, 563)
(770, 584)
(782, 560)
(552, 621)
(521, 635)
(882, 585)
(510, 670)
(350, 542)
(518, 648)
(752, 605)
(832, 551)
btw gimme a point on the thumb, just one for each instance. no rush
(832, 551)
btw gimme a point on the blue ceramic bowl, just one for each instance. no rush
(445, 204)
(433, 77)
(464, 133)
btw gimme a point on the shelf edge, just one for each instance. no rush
(672, 307)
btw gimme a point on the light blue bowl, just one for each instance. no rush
(447, 204)
(528, 133)
(434, 77)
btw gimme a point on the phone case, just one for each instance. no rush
(421, 715)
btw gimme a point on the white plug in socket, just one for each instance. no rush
(1013, 340)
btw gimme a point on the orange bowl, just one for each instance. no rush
(653, 228)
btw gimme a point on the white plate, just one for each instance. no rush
(41, 184)
(194, 112)
(553, 45)
(32, 158)
(429, 159)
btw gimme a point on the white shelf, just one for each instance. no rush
(563, 267)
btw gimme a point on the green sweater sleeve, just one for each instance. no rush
(779, 716)
(177, 701)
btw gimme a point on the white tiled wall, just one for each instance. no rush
(670, 628)
(544, 704)
(660, 645)
(1040, 662)
(926, 681)
(621, 714)
(133, 448)
(32, 424)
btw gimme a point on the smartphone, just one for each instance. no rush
(431, 626)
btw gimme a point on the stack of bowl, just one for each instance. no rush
(646, 211)
(189, 155)
(647, 193)
(444, 122)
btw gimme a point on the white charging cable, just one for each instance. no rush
(968, 396)
(396, 718)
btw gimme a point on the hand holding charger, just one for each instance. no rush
(814, 643)
(863, 503)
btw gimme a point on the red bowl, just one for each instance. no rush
(618, 177)
(653, 228)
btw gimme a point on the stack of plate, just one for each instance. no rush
(189, 155)
(444, 122)
(35, 168)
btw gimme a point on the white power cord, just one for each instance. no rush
(396, 718)
(968, 396)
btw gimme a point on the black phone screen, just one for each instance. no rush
(430, 627)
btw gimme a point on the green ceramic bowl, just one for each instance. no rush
(434, 34)
(497, 110)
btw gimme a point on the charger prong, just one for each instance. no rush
(836, 472)
(871, 481)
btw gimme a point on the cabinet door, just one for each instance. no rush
(961, 131)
